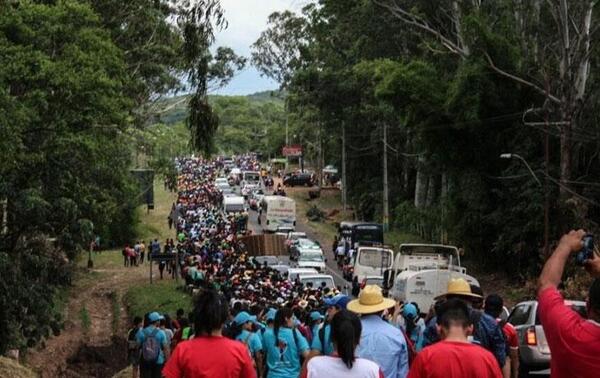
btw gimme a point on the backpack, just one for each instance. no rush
(410, 347)
(151, 347)
(132, 343)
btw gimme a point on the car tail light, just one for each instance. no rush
(363, 284)
(530, 337)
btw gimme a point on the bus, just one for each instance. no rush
(361, 233)
(279, 212)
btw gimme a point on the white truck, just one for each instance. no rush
(372, 261)
(279, 212)
(421, 272)
(234, 204)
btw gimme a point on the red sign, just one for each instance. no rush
(294, 150)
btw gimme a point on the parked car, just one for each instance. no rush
(312, 259)
(534, 352)
(221, 181)
(298, 179)
(317, 280)
(303, 245)
(271, 260)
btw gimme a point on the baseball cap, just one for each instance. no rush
(316, 315)
(154, 317)
(339, 300)
(409, 311)
(244, 317)
(271, 314)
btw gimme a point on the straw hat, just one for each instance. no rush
(370, 300)
(458, 286)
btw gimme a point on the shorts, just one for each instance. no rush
(133, 357)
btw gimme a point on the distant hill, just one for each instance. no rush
(175, 108)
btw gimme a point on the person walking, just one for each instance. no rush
(345, 332)
(321, 342)
(133, 348)
(454, 356)
(494, 305)
(284, 346)
(142, 252)
(154, 346)
(380, 341)
(209, 354)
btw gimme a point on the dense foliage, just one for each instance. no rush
(78, 85)
(456, 84)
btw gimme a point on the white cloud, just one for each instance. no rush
(247, 19)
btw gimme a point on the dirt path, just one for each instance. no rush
(94, 347)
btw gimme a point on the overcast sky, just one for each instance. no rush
(247, 18)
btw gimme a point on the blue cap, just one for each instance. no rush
(409, 311)
(244, 317)
(316, 315)
(154, 317)
(271, 314)
(339, 300)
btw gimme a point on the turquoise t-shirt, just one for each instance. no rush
(283, 357)
(160, 337)
(316, 341)
(252, 340)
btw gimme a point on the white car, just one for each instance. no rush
(221, 180)
(317, 280)
(312, 259)
(303, 245)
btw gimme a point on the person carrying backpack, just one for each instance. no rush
(133, 349)
(154, 348)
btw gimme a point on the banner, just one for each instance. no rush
(293, 150)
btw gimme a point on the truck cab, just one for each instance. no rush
(421, 272)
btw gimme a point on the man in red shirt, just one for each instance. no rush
(574, 341)
(454, 356)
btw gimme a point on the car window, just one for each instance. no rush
(520, 315)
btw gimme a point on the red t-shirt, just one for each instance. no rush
(510, 334)
(574, 342)
(451, 359)
(208, 357)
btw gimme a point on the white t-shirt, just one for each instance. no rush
(334, 367)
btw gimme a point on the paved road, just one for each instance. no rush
(326, 245)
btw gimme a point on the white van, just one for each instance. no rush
(293, 273)
(317, 280)
(279, 212)
(234, 204)
(372, 261)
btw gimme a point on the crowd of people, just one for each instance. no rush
(251, 321)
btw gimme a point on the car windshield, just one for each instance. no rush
(306, 243)
(313, 257)
(374, 258)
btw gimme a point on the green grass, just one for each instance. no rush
(153, 224)
(330, 202)
(162, 296)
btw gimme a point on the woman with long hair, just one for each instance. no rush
(345, 334)
(210, 354)
(285, 346)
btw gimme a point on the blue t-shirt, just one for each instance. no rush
(316, 341)
(283, 357)
(252, 340)
(160, 337)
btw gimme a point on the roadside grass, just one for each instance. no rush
(153, 224)
(330, 202)
(164, 296)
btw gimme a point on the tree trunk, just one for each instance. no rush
(421, 186)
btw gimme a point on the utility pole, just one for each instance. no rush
(287, 138)
(344, 193)
(386, 213)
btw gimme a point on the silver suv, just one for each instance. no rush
(534, 352)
